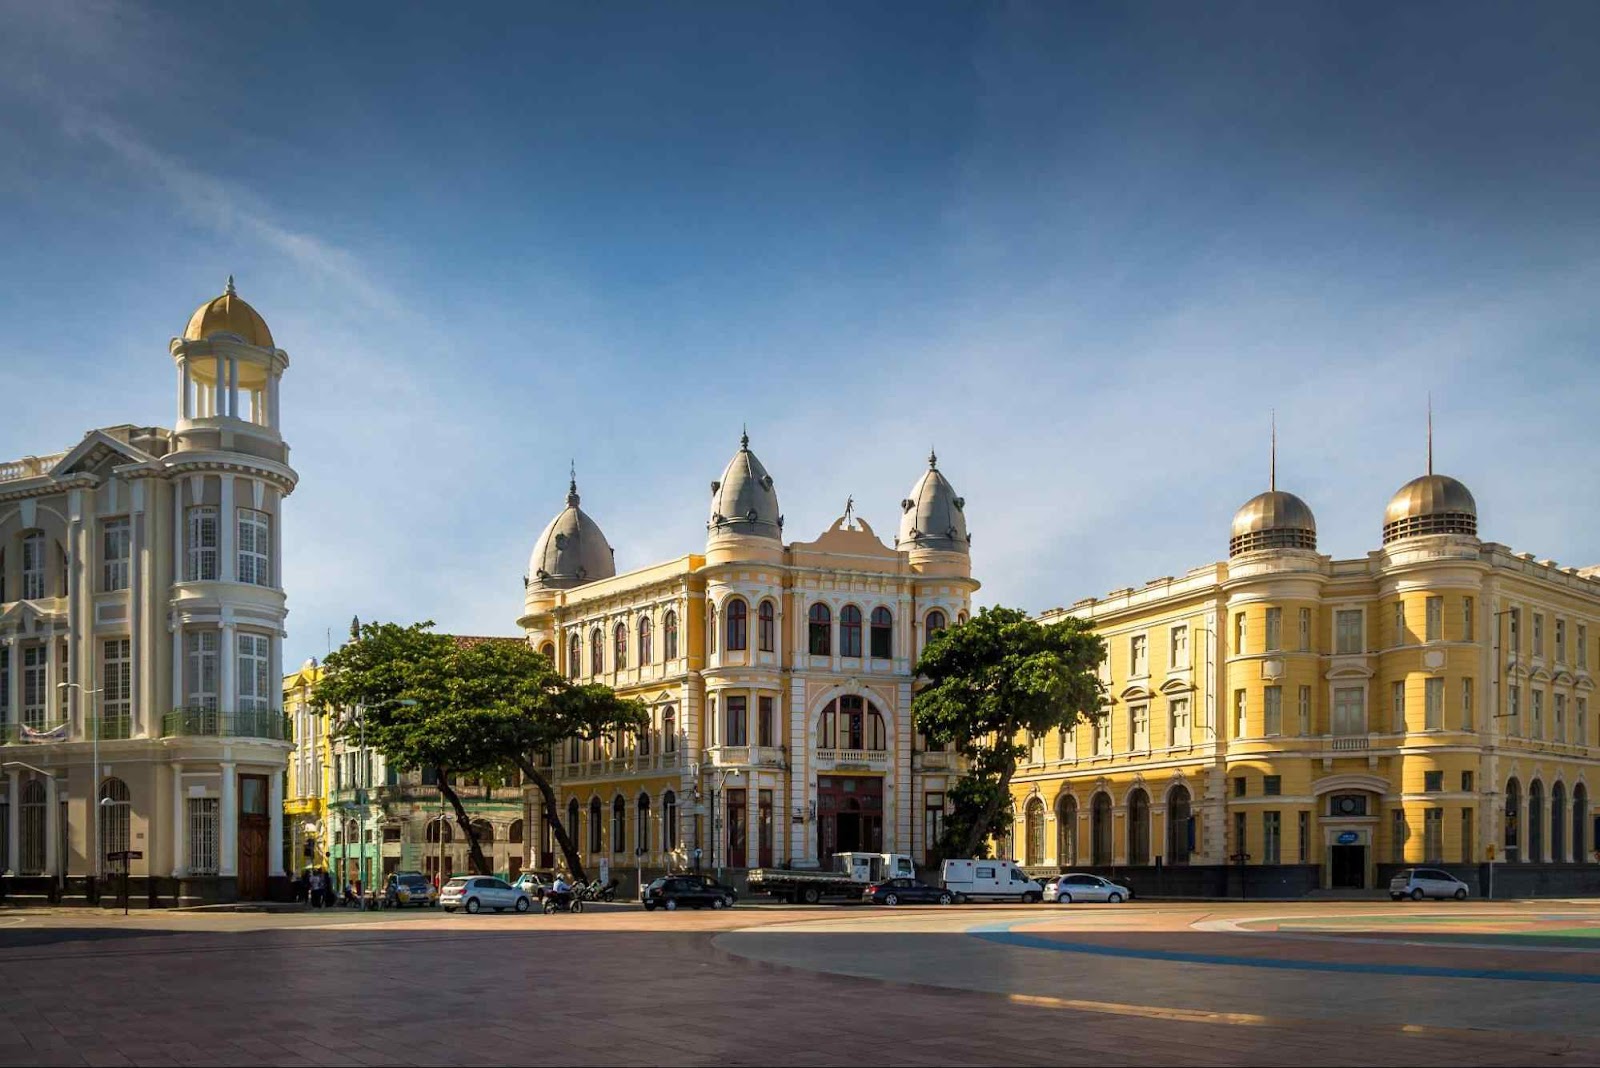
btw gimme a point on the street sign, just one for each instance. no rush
(125, 854)
(1491, 850)
(1348, 837)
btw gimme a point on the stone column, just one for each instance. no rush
(14, 811)
(184, 410)
(14, 674)
(52, 829)
(52, 675)
(275, 833)
(178, 637)
(227, 527)
(227, 664)
(180, 852)
(228, 846)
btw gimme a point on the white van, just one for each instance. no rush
(989, 880)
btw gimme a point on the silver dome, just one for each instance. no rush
(1273, 520)
(571, 551)
(1432, 504)
(743, 500)
(932, 516)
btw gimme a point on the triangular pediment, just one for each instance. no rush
(98, 454)
(21, 617)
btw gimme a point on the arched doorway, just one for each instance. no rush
(32, 828)
(1513, 833)
(1580, 823)
(115, 820)
(1558, 823)
(1180, 826)
(1535, 821)
(1139, 827)
(1033, 844)
(1100, 829)
(1067, 831)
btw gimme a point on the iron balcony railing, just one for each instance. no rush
(13, 733)
(215, 723)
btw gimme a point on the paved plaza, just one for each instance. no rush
(1204, 983)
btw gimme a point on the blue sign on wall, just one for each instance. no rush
(1348, 838)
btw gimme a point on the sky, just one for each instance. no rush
(1086, 251)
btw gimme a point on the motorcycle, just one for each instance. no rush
(565, 901)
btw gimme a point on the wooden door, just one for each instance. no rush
(254, 827)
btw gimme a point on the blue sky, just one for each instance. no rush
(1082, 249)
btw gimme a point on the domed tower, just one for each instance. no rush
(571, 551)
(228, 377)
(1429, 505)
(745, 523)
(933, 524)
(1274, 519)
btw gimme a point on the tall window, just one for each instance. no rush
(254, 673)
(596, 827)
(116, 684)
(1538, 635)
(201, 647)
(1514, 708)
(1469, 846)
(255, 546)
(935, 623)
(1581, 722)
(1347, 631)
(1399, 831)
(1400, 623)
(1138, 656)
(1433, 835)
(574, 655)
(116, 554)
(1272, 710)
(34, 697)
(1466, 619)
(619, 637)
(734, 707)
(766, 626)
(849, 631)
(1139, 721)
(1305, 630)
(1349, 714)
(882, 633)
(33, 567)
(1514, 630)
(643, 820)
(1181, 728)
(738, 619)
(1239, 632)
(669, 821)
(764, 732)
(1468, 719)
(1537, 717)
(1274, 629)
(1561, 641)
(202, 556)
(669, 635)
(647, 651)
(1559, 719)
(619, 825)
(1397, 692)
(1239, 709)
(597, 652)
(1583, 646)
(203, 826)
(669, 730)
(1305, 711)
(1272, 837)
(115, 818)
(933, 824)
(1433, 619)
(821, 630)
(1179, 653)
(1102, 733)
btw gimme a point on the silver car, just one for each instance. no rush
(1065, 889)
(477, 892)
(1418, 883)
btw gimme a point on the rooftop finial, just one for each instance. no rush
(1272, 469)
(744, 436)
(849, 512)
(229, 291)
(933, 459)
(572, 483)
(1430, 432)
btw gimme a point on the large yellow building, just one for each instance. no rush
(1322, 718)
(778, 677)
(305, 797)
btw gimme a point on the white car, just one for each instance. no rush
(477, 892)
(1065, 889)
(1418, 883)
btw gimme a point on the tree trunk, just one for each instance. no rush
(569, 848)
(479, 865)
(1002, 796)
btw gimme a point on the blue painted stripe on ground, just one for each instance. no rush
(1002, 934)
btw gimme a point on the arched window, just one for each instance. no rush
(643, 739)
(821, 630)
(574, 828)
(738, 625)
(1558, 823)
(620, 636)
(766, 625)
(961, 617)
(827, 728)
(1535, 821)
(643, 820)
(619, 825)
(514, 833)
(1513, 805)
(647, 652)
(436, 827)
(877, 735)
(596, 827)
(1067, 831)
(849, 631)
(882, 633)
(574, 656)
(1100, 829)
(548, 651)
(852, 722)
(669, 730)
(115, 818)
(1580, 824)
(669, 822)
(597, 652)
(1033, 834)
(1180, 826)
(934, 623)
(1139, 827)
(669, 630)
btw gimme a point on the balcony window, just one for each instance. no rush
(1434, 619)
(116, 684)
(850, 631)
(201, 651)
(34, 691)
(735, 708)
(1181, 728)
(201, 565)
(821, 630)
(669, 636)
(882, 633)
(738, 623)
(1347, 632)
(1138, 656)
(116, 554)
(33, 556)
(255, 547)
(1272, 711)
(1305, 630)
(1349, 711)
(1433, 704)
(597, 652)
(1274, 629)
(646, 644)
(764, 724)
(254, 673)
(1305, 711)
(766, 626)
(1139, 728)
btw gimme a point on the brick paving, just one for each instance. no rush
(624, 987)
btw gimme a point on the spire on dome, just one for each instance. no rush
(230, 290)
(744, 437)
(933, 459)
(1272, 470)
(1430, 433)
(572, 484)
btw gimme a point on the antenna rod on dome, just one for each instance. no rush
(744, 435)
(1272, 468)
(229, 290)
(1430, 432)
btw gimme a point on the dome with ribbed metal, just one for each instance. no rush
(228, 315)
(1273, 520)
(572, 550)
(1432, 504)
(743, 500)
(932, 516)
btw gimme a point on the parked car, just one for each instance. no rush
(906, 892)
(690, 891)
(409, 888)
(989, 880)
(1418, 883)
(1066, 889)
(533, 884)
(477, 892)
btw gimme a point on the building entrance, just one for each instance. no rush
(1348, 864)
(849, 815)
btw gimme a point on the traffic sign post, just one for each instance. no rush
(1491, 871)
(126, 856)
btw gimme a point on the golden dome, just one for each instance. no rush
(229, 314)
(1432, 504)
(1273, 520)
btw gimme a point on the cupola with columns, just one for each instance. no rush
(229, 373)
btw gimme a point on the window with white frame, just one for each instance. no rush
(1274, 629)
(1397, 703)
(1466, 619)
(1102, 733)
(1561, 641)
(1305, 630)
(34, 693)
(1536, 717)
(1347, 631)
(1581, 722)
(1182, 729)
(1349, 710)
(1180, 647)
(1399, 623)
(1305, 711)
(1514, 708)
(1433, 704)
(1583, 646)
(116, 554)
(1468, 713)
(1138, 656)
(1433, 835)
(1538, 635)
(33, 566)
(1272, 711)
(201, 649)
(1514, 627)
(1558, 718)
(203, 826)
(1239, 709)
(1139, 727)
(255, 674)
(255, 547)
(202, 544)
(1239, 632)
(1433, 619)
(116, 682)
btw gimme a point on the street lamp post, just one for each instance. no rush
(363, 793)
(94, 789)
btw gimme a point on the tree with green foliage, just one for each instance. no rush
(987, 686)
(457, 709)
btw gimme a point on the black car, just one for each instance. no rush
(906, 892)
(689, 891)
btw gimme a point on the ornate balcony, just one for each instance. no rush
(214, 723)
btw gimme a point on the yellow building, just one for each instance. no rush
(778, 678)
(305, 797)
(1325, 719)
